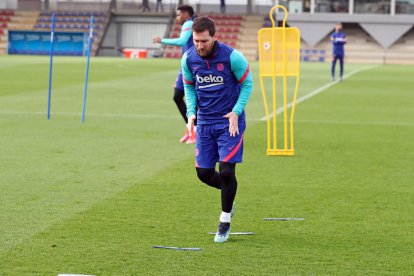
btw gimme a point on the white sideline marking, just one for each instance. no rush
(235, 233)
(74, 275)
(316, 91)
(354, 123)
(122, 115)
(153, 116)
(177, 248)
(283, 219)
(278, 111)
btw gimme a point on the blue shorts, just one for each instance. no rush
(179, 81)
(214, 144)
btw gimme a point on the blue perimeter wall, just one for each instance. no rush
(38, 43)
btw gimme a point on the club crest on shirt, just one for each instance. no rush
(220, 66)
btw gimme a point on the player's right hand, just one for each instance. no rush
(233, 122)
(190, 125)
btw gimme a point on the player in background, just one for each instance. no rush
(184, 17)
(338, 39)
(218, 84)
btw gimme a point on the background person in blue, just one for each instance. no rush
(217, 81)
(184, 17)
(338, 39)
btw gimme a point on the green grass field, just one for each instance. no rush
(95, 198)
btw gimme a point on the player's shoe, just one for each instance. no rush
(233, 209)
(223, 232)
(185, 137)
(192, 139)
(341, 79)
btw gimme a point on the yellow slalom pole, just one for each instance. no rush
(279, 56)
(293, 113)
(274, 112)
(284, 85)
(274, 79)
(267, 112)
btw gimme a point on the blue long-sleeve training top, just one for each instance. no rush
(338, 41)
(216, 85)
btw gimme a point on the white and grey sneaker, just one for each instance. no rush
(223, 232)
(233, 209)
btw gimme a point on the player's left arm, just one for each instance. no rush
(184, 35)
(190, 93)
(241, 70)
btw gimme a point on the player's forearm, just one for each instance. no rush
(190, 99)
(180, 41)
(189, 88)
(174, 41)
(246, 90)
(241, 71)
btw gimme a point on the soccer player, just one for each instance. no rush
(184, 17)
(338, 39)
(217, 81)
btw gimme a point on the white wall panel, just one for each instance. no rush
(139, 35)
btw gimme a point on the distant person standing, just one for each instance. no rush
(145, 6)
(223, 6)
(338, 39)
(159, 5)
(184, 17)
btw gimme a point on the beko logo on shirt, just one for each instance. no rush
(209, 81)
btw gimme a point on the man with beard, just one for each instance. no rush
(218, 84)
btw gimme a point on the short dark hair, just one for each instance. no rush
(186, 8)
(203, 23)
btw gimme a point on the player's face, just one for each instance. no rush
(181, 17)
(204, 43)
(338, 27)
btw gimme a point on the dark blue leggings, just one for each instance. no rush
(341, 65)
(224, 180)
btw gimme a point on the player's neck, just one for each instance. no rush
(185, 20)
(213, 50)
